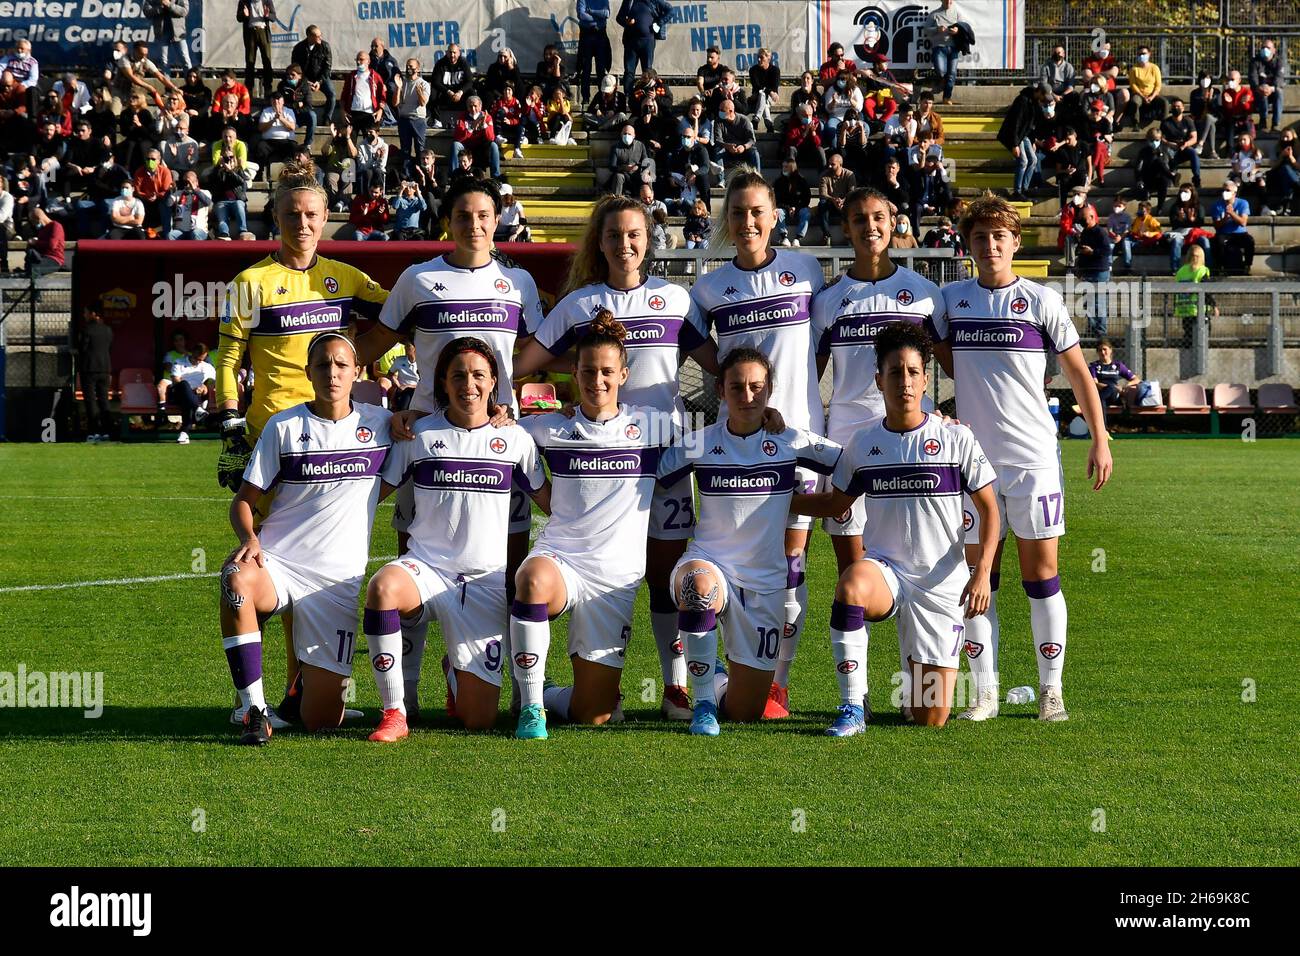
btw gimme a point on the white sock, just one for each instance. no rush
(530, 639)
(701, 644)
(981, 645)
(414, 641)
(1047, 621)
(796, 607)
(383, 631)
(849, 650)
(556, 701)
(672, 657)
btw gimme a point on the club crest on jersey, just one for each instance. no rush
(656, 302)
(967, 520)
(786, 278)
(411, 566)
(525, 660)
(698, 668)
(383, 662)
(1019, 304)
(632, 432)
(331, 285)
(932, 446)
(498, 445)
(904, 297)
(502, 286)
(1050, 650)
(846, 667)
(364, 434)
(973, 649)
(769, 447)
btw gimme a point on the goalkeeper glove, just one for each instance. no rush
(235, 450)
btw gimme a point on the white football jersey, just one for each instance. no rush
(999, 340)
(602, 478)
(326, 480)
(768, 309)
(662, 323)
(434, 302)
(912, 483)
(462, 480)
(846, 315)
(746, 483)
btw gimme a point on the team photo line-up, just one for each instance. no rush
(917, 505)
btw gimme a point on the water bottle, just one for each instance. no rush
(1020, 695)
(1054, 407)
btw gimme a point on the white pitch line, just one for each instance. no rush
(101, 498)
(110, 582)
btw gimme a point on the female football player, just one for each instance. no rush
(608, 271)
(762, 300)
(910, 469)
(272, 310)
(462, 473)
(467, 291)
(992, 338)
(323, 459)
(733, 573)
(590, 558)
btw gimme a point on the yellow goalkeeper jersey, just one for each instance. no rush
(274, 312)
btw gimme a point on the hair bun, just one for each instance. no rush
(604, 323)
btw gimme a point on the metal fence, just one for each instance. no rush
(1143, 13)
(1181, 56)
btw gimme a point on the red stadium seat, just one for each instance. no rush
(537, 397)
(1232, 399)
(368, 393)
(1131, 403)
(1277, 398)
(1188, 398)
(139, 391)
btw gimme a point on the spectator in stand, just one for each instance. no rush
(1099, 134)
(1119, 225)
(927, 118)
(227, 185)
(806, 93)
(550, 72)
(231, 144)
(103, 123)
(894, 188)
(383, 63)
(139, 131)
(184, 207)
(1186, 226)
(802, 139)
(339, 159)
(649, 86)
(1283, 180)
(229, 117)
(92, 208)
(1058, 72)
(1268, 73)
(169, 117)
(933, 193)
(1153, 171)
(534, 117)
(475, 134)
(512, 224)
(26, 71)
(1145, 84)
(659, 236)
(425, 176)
(835, 64)
(369, 214)
(1032, 106)
(841, 96)
(1187, 306)
(1072, 162)
(1248, 171)
(363, 94)
(559, 119)
(1110, 375)
(1179, 133)
(276, 141)
(1237, 105)
(644, 23)
(735, 138)
(168, 20)
(95, 365)
(50, 149)
(16, 128)
(593, 44)
(465, 168)
(28, 190)
(764, 89)
(508, 119)
(793, 199)
(371, 160)
(945, 235)
(698, 227)
(701, 124)
(656, 130)
(51, 110)
(126, 216)
(1102, 64)
(404, 375)
(297, 98)
(83, 156)
(689, 174)
(313, 54)
(903, 236)
(505, 70)
(1092, 264)
(453, 80)
(45, 249)
(851, 143)
(1146, 234)
(835, 186)
(193, 383)
(1206, 105)
(944, 33)
(727, 89)
(152, 184)
(608, 107)
(198, 98)
(710, 74)
(230, 85)
(631, 164)
(647, 197)
(73, 94)
(412, 95)
(132, 72)
(1234, 246)
(257, 17)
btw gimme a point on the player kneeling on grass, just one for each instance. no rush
(462, 472)
(911, 470)
(733, 573)
(323, 458)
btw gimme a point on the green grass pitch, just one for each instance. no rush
(1162, 761)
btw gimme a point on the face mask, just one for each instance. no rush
(901, 228)
(1049, 110)
(126, 194)
(152, 164)
(1227, 195)
(473, 116)
(293, 81)
(1104, 52)
(688, 141)
(1143, 57)
(1077, 200)
(1185, 196)
(840, 84)
(1095, 88)
(361, 70)
(118, 54)
(627, 139)
(805, 120)
(1232, 84)
(1119, 210)
(1266, 53)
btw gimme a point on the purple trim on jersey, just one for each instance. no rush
(812, 464)
(997, 288)
(996, 335)
(774, 479)
(906, 481)
(602, 462)
(969, 490)
(670, 479)
(387, 621)
(366, 308)
(297, 318)
(1042, 589)
(463, 474)
(697, 622)
(772, 312)
(519, 479)
(446, 315)
(528, 612)
(931, 329)
(643, 331)
(847, 617)
(905, 431)
(771, 258)
(862, 329)
(306, 467)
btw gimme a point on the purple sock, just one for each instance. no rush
(245, 662)
(696, 622)
(528, 612)
(847, 617)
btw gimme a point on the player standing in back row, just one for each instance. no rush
(762, 300)
(993, 341)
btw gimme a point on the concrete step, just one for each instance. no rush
(569, 179)
(559, 209)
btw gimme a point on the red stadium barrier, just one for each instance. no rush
(148, 290)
